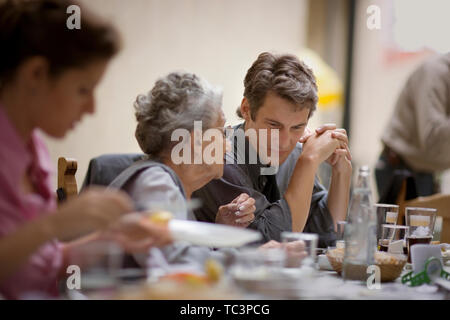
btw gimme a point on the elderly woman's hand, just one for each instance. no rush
(136, 233)
(240, 212)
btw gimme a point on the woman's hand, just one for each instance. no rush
(92, 210)
(136, 233)
(240, 212)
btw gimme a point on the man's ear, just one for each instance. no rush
(245, 109)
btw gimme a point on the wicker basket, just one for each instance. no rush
(336, 258)
(391, 266)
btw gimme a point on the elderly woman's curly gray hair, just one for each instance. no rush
(175, 102)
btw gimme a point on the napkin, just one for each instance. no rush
(396, 246)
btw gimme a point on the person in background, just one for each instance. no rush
(48, 75)
(280, 96)
(416, 139)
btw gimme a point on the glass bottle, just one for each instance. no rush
(360, 231)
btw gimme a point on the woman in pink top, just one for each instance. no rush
(48, 74)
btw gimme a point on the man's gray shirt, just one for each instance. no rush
(272, 215)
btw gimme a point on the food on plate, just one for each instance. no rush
(187, 278)
(213, 274)
(161, 217)
(214, 270)
(186, 285)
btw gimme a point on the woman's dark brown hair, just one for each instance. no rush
(31, 28)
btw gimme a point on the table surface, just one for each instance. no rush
(322, 284)
(308, 283)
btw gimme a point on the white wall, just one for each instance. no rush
(376, 85)
(217, 39)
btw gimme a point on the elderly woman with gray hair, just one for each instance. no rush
(181, 106)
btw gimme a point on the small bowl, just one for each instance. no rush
(391, 265)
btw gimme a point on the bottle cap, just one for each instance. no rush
(364, 168)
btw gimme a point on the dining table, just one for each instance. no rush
(317, 282)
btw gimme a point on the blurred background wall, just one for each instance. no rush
(216, 39)
(411, 31)
(219, 40)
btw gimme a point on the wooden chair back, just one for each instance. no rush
(67, 183)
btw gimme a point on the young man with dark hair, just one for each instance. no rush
(280, 96)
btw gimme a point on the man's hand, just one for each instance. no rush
(240, 212)
(306, 134)
(295, 251)
(340, 161)
(309, 133)
(341, 158)
(319, 146)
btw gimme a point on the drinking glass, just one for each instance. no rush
(100, 263)
(258, 264)
(393, 233)
(309, 240)
(386, 214)
(421, 226)
(340, 243)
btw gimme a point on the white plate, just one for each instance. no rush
(210, 234)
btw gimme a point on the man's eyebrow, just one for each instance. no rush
(277, 122)
(300, 124)
(271, 120)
